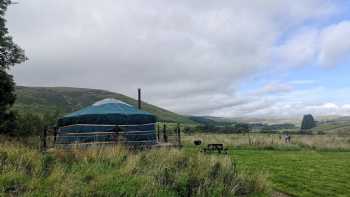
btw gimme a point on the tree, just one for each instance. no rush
(308, 122)
(10, 54)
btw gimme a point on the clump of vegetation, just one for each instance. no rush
(114, 171)
(11, 54)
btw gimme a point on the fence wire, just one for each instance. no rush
(161, 135)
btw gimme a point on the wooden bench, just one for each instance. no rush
(215, 147)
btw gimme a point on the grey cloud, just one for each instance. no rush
(188, 56)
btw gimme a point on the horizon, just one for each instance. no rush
(250, 119)
(224, 59)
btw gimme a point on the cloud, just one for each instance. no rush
(299, 50)
(327, 46)
(188, 56)
(330, 109)
(334, 44)
(312, 100)
(274, 88)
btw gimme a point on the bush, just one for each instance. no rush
(29, 124)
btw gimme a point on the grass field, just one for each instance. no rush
(274, 141)
(312, 165)
(114, 171)
(300, 173)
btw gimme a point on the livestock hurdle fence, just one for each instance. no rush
(165, 134)
(169, 133)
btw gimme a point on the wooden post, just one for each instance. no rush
(158, 132)
(178, 134)
(165, 137)
(54, 134)
(116, 133)
(43, 139)
(250, 141)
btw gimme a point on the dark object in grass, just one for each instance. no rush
(197, 142)
(215, 147)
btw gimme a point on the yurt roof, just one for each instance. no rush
(108, 111)
(108, 106)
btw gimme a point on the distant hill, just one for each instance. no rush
(265, 120)
(336, 124)
(203, 120)
(65, 99)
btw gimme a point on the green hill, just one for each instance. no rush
(333, 125)
(64, 100)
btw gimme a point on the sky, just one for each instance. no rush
(229, 58)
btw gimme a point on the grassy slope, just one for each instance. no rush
(300, 173)
(65, 100)
(340, 128)
(339, 125)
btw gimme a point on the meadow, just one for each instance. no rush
(311, 165)
(115, 171)
(256, 165)
(273, 141)
(299, 173)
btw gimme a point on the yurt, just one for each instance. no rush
(107, 121)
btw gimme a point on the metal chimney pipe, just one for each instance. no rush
(139, 98)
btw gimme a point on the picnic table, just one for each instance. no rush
(215, 147)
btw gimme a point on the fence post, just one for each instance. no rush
(178, 134)
(165, 137)
(116, 134)
(158, 132)
(54, 134)
(250, 141)
(43, 139)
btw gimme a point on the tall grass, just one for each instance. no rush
(114, 171)
(274, 141)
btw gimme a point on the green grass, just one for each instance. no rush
(335, 127)
(315, 165)
(312, 165)
(300, 173)
(114, 171)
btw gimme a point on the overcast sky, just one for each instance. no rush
(223, 58)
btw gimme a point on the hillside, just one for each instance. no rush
(65, 99)
(333, 125)
(203, 120)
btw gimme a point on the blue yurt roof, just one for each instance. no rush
(107, 111)
(108, 106)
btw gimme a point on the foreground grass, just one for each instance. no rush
(114, 171)
(300, 173)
